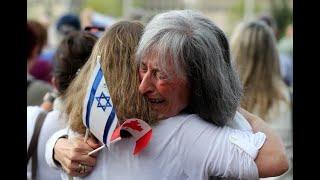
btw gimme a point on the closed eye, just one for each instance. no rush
(162, 76)
(143, 68)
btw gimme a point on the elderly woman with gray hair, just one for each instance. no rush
(187, 78)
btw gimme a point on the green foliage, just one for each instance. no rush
(282, 14)
(237, 11)
(108, 7)
(138, 3)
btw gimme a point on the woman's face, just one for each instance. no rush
(166, 92)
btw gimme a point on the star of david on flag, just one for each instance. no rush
(99, 114)
(104, 104)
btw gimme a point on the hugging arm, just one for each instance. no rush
(271, 159)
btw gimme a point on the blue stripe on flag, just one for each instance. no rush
(92, 94)
(108, 125)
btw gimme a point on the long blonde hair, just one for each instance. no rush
(256, 57)
(116, 48)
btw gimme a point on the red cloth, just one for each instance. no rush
(42, 70)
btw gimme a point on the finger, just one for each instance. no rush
(93, 143)
(82, 158)
(80, 146)
(68, 171)
(88, 160)
(85, 148)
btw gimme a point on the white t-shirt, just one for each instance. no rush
(182, 147)
(51, 124)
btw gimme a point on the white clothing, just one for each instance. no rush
(240, 123)
(182, 147)
(52, 124)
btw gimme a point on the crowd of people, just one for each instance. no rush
(219, 108)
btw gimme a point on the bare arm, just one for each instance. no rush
(271, 159)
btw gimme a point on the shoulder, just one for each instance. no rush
(235, 148)
(55, 118)
(33, 112)
(211, 135)
(54, 114)
(184, 123)
(193, 122)
(191, 129)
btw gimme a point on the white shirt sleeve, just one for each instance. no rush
(50, 146)
(239, 122)
(244, 149)
(223, 152)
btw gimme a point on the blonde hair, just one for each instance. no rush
(254, 51)
(116, 48)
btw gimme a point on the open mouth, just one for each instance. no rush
(155, 101)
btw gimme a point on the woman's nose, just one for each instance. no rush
(146, 85)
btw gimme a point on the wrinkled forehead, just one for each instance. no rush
(163, 55)
(163, 62)
(154, 57)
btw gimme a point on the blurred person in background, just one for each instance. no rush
(285, 46)
(65, 24)
(253, 47)
(41, 69)
(36, 89)
(70, 56)
(68, 23)
(285, 59)
(90, 18)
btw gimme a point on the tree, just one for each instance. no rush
(282, 14)
(108, 7)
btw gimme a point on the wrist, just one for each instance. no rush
(60, 143)
(47, 106)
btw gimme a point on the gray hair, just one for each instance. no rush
(200, 53)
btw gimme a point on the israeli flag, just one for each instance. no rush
(99, 114)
